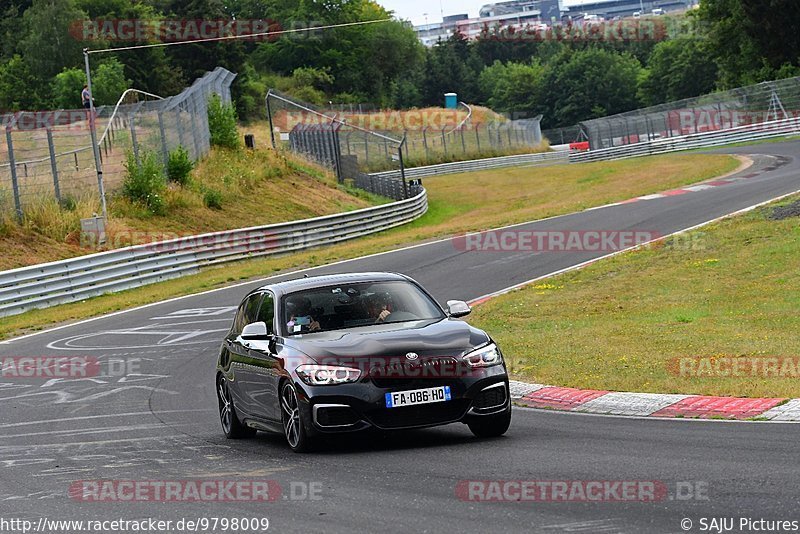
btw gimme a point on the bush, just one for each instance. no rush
(213, 199)
(144, 182)
(179, 166)
(222, 123)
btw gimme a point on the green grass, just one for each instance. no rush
(228, 189)
(457, 203)
(731, 290)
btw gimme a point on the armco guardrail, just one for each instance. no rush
(749, 133)
(45, 285)
(541, 158)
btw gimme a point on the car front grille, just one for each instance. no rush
(422, 415)
(417, 374)
(490, 398)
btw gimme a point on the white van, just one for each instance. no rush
(658, 12)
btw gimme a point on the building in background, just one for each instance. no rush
(538, 13)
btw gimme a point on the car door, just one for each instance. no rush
(263, 388)
(239, 350)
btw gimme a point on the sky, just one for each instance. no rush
(415, 9)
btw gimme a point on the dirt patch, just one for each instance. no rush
(784, 212)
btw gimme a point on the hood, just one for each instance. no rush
(443, 337)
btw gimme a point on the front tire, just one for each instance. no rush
(293, 422)
(231, 426)
(490, 426)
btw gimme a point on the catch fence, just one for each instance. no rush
(48, 154)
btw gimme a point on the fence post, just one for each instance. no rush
(403, 168)
(478, 136)
(53, 164)
(164, 150)
(13, 168)
(444, 142)
(192, 113)
(463, 143)
(134, 142)
(269, 116)
(425, 142)
(179, 126)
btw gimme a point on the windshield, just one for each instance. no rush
(356, 305)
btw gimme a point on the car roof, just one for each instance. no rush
(312, 282)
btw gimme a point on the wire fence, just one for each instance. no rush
(320, 135)
(757, 105)
(358, 144)
(48, 154)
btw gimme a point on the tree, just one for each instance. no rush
(47, 45)
(677, 69)
(19, 88)
(752, 41)
(589, 84)
(67, 87)
(514, 87)
(109, 82)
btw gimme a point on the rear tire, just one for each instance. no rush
(490, 426)
(231, 426)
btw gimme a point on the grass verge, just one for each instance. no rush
(457, 203)
(626, 323)
(229, 189)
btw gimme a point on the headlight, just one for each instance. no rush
(327, 375)
(484, 357)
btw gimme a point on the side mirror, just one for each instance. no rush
(256, 332)
(458, 308)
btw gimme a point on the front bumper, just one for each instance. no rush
(362, 405)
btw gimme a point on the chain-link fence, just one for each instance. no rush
(471, 140)
(350, 151)
(356, 143)
(564, 136)
(48, 154)
(754, 105)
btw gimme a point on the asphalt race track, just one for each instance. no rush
(156, 419)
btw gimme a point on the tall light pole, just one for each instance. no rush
(93, 131)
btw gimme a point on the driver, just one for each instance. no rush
(380, 307)
(298, 309)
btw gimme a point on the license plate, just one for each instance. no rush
(417, 396)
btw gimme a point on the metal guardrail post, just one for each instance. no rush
(13, 168)
(53, 164)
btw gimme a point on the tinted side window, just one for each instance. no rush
(267, 312)
(247, 313)
(236, 329)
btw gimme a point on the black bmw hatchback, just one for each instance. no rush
(353, 352)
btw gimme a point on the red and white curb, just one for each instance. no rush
(765, 164)
(653, 404)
